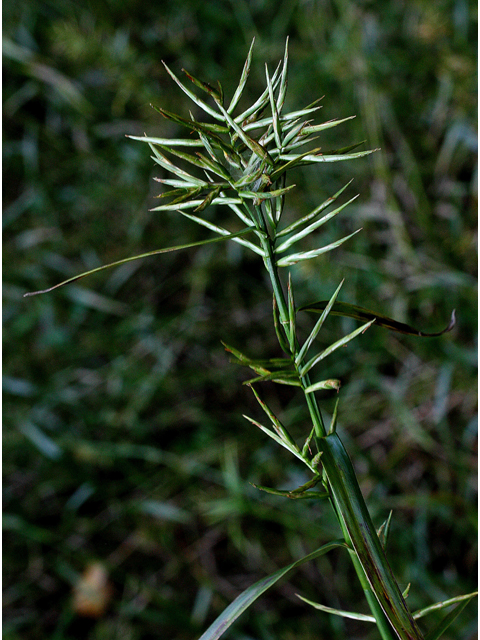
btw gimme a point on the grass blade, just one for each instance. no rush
(313, 214)
(243, 80)
(198, 101)
(308, 159)
(333, 347)
(308, 255)
(314, 128)
(139, 257)
(312, 227)
(167, 142)
(308, 342)
(441, 605)
(245, 599)
(338, 612)
(259, 104)
(360, 313)
(223, 232)
(283, 80)
(443, 625)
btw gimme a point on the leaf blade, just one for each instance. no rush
(348, 310)
(245, 599)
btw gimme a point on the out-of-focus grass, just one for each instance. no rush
(123, 436)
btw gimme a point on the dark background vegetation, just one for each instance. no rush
(123, 437)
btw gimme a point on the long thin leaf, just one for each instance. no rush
(164, 162)
(224, 232)
(313, 214)
(338, 612)
(282, 442)
(445, 603)
(139, 257)
(308, 342)
(314, 128)
(245, 599)
(333, 347)
(308, 255)
(167, 142)
(312, 227)
(259, 104)
(289, 378)
(360, 313)
(443, 625)
(327, 158)
(193, 97)
(283, 80)
(193, 204)
(252, 144)
(243, 79)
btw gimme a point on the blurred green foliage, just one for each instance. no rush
(123, 436)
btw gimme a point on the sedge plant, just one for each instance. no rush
(241, 161)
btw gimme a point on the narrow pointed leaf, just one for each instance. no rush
(277, 425)
(291, 315)
(210, 129)
(327, 158)
(244, 600)
(195, 203)
(252, 144)
(282, 442)
(282, 339)
(243, 80)
(266, 195)
(295, 130)
(445, 603)
(360, 313)
(312, 227)
(315, 128)
(343, 150)
(192, 96)
(333, 347)
(259, 104)
(208, 200)
(168, 142)
(288, 165)
(223, 232)
(306, 446)
(333, 423)
(164, 162)
(307, 495)
(139, 257)
(443, 625)
(273, 107)
(338, 612)
(283, 80)
(181, 184)
(281, 377)
(308, 255)
(316, 329)
(313, 214)
(384, 530)
(195, 160)
(205, 86)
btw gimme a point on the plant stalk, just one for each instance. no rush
(379, 585)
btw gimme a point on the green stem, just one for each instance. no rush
(381, 591)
